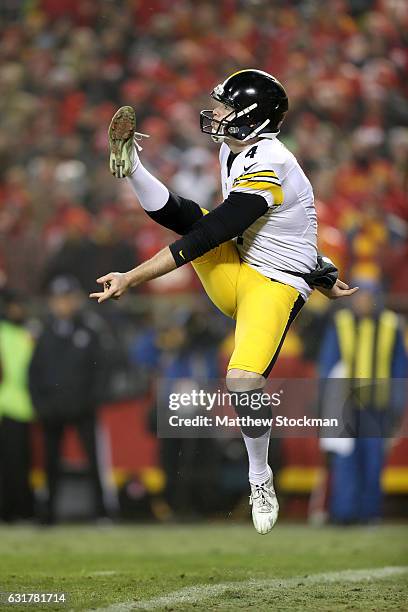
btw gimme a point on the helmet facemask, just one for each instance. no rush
(217, 128)
(234, 125)
(237, 124)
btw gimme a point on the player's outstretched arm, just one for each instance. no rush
(339, 289)
(115, 284)
(228, 220)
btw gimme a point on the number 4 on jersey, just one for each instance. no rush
(252, 151)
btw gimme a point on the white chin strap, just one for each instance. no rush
(257, 130)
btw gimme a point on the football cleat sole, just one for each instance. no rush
(121, 142)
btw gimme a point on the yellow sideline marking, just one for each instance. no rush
(298, 479)
(291, 479)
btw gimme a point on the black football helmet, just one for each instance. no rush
(258, 102)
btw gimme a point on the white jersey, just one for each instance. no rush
(285, 237)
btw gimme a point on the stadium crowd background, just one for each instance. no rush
(67, 65)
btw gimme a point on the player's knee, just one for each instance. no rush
(179, 214)
(241, 380)
(251, 405)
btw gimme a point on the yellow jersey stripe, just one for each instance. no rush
(255, 174)
(257, 179)
(276, 190)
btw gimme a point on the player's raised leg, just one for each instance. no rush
(167, 209)
(218, 271)
(219, 268)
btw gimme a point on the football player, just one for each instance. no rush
(255, 253)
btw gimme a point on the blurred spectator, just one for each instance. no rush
(65, 66)
(366, 341)
(202, 475)
(196, 179)
(185, 353)
(67, 382)
(89, 248)
(16, 347)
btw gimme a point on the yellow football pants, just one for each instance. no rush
(263, 309)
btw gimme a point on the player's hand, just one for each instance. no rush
(114, 285)
(339, 289)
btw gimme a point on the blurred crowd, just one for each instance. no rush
(67, 65)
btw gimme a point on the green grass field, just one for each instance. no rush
(213, 567)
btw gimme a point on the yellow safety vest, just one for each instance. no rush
(16, 348)
(366, 350)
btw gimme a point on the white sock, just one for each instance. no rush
(151, 193)
(257, 449)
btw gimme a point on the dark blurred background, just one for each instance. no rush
(65, 67)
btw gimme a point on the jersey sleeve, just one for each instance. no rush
(260, 179)
(226, 221)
